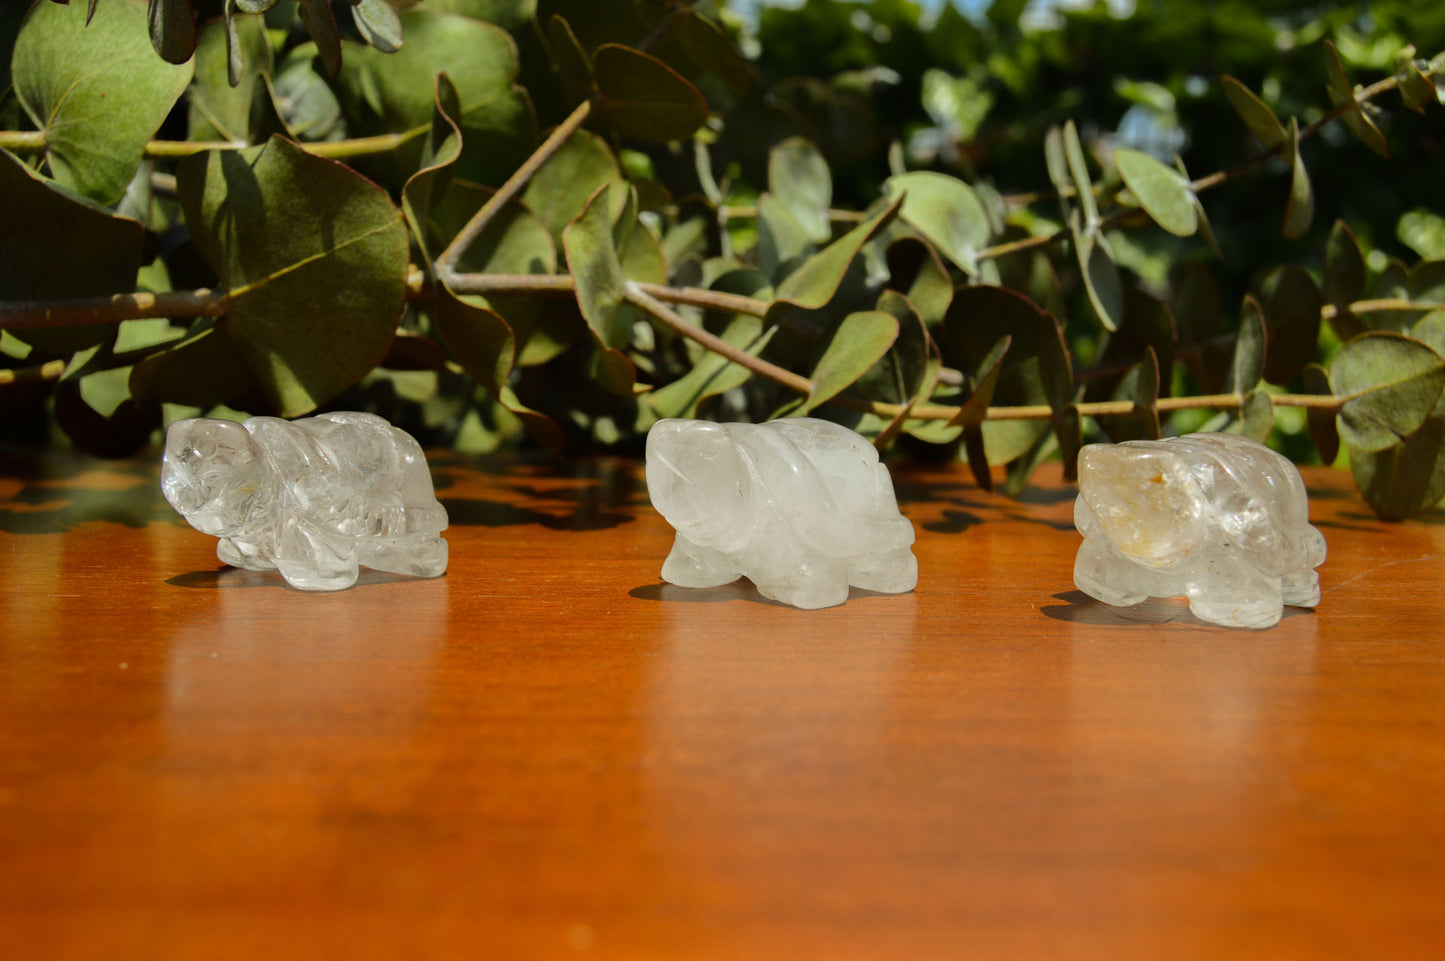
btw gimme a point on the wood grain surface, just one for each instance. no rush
(548, 753)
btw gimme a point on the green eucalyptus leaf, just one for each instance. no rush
(59, 247)
(946, 211)
(313, 262)
(715, 51)
(899, 375)
(570, 177)
(1320, 421)
(799, 177)
(1426, 282)
(642, 257)
(1389, 385)
(1021, 470)
(1299, 209)
(1430, 331)
(1247, 367)
(1406, 478)
(1206, 230)
(574, 68)
(378, 24)
(1291, 303)
(1198, 307)
(1256, 416)
(984, 380)
(97, 91)
(121, 433)
(388, 93)
(1342, 92)
(479, 338)
(507, 14)
(304, 100)
(858, 343)
(1393, 282)
(1139, 386)
(1144, 342)
(1255, 113)
(915, 269)
(642, 97)
(908, 373)
(201, 371)
(1056, 373)
(316, 15)
(1079, 174)
(1345, 279)
(1058, 165)
(1417, 90)
(978, 319)
(597, 271)
(783, 240)
(440, 151)
(483, 343)
(813, 284)
(218, 109)
(1161, 190)
(1102, 283)
(173, 29)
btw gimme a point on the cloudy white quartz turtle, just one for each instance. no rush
(801, 506)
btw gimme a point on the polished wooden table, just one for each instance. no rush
(549, 753)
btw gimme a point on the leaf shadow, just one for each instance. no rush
(57, 499)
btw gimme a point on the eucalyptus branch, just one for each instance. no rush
(1380, 306)
(1106, 408)
(78, 312)
(34, 142)
(750, 212)
(643, 299)
(47, 372)
(513, 186)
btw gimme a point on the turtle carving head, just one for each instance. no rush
(210, 474)
(697, 479)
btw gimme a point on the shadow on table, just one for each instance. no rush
(60, 493)
(581, 495)
(741, 589)
(1077, 607)
(232, 578)
(583, 515)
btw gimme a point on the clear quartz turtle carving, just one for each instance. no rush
(800, 506)
(313, 498)
(1217, 518)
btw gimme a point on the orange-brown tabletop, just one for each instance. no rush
(549, 753)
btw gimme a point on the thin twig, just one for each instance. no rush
(35, 141)
(1382, 305)
(48, 371)
(712, 299)
(31, 314)
(514, 185)
(778, 375)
